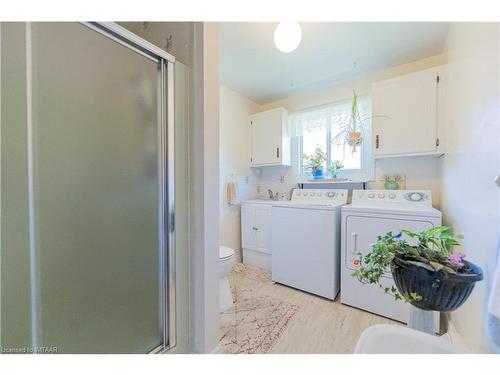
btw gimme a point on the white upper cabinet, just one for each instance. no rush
(269, 137)
(406, 115)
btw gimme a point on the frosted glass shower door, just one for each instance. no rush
(95, 149)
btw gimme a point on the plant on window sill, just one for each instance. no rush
(315, 162)
(334, 168)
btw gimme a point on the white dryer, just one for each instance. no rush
(306, 241)
(372, 214)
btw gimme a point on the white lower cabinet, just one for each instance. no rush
(256, 233)
(248, 235)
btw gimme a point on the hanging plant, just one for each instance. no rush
(351, 129)
(429, 274)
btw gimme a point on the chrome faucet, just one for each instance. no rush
(272, 196)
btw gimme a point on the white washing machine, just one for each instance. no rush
(371, 214)
(306, 241)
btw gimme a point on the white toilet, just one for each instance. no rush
(226, 260)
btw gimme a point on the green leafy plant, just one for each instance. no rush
(433, 251)
(335, 167)
(352, 127)
(316, 160)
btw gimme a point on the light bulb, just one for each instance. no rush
(287, 36)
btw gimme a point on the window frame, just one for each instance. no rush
(366, 171)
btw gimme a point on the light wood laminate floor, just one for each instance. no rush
(319, 326)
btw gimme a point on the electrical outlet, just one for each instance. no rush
(282, 179)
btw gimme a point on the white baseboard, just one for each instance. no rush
(257, 259)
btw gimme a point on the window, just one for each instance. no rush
(319, 126)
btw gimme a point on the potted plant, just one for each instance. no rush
(391, 182)
(315, 162)
(429, 275)
(352, 129)
(334, 168)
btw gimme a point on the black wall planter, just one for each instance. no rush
(440, 291)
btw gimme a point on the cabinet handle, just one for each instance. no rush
(277, 152)
(255, 228)
(377, 141)
(354, 236)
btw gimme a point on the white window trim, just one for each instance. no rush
(367, 170)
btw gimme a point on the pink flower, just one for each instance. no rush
(456, 258)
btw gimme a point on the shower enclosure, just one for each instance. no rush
(87, 200)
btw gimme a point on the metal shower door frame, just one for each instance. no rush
(166, 193)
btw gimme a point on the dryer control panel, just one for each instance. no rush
(320, 196)
(416, 199)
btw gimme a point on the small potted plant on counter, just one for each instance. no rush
(315, 162)
(429, 275)
(334, 168)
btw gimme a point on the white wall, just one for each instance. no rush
(181, 112)
(421, 172)
(204, 189)
(469, 196)
(234, 156)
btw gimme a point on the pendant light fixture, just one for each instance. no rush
(287, 36)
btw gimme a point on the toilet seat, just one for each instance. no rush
(225, 252)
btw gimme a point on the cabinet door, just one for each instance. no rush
(405, 111)
(263, 224)
(248, 228)
(266, 131)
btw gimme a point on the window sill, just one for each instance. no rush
(331, 181)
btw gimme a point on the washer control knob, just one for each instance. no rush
(305, 193)
(331, 194)
(416, 197)
(319, 194)
(392, 196)
(312, 194)
(371, 195)
(298, 194)
(381, 196)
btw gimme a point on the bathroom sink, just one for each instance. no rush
(391, 339)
